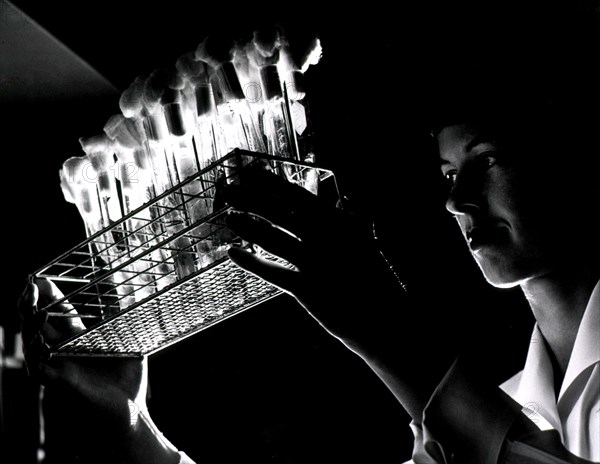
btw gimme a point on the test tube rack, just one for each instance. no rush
(161, 273)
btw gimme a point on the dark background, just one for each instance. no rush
(269, 385)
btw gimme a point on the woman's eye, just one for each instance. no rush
(489, 158)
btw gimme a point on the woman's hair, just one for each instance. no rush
(540, 74)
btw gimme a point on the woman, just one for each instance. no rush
(522, 190)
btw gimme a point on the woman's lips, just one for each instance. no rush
(481, 237)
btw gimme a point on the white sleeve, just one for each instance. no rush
(464, 415)
(184, 459)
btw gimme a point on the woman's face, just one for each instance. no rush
(506, 206)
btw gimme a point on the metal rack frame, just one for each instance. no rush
(161, 273)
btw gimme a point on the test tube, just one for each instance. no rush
(101, 154)
(133, 171)
(78, 182)
(132, 167)
(150, 157)
(237, 122)
(276, 120)
(156, 127)
(133, 108)
(291, 65)
(158, 135)
(215, 237)
(198, 97)
(185, 161)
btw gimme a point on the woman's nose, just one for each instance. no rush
(466, 194)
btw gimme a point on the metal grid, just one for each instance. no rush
(161, 273)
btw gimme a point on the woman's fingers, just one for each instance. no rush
(272, 239)
(49, 293)
(272, 207)
(28, 299)
(58, 328)
(280, 202)
(36, 354)
(33, 326)
(32, 318)
(276, 274)
(37, 331)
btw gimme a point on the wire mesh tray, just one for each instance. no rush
(161, 273)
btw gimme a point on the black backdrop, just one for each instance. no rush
(269, 385)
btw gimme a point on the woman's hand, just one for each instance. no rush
(102, 400)
(337, 273)
(340, 276)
